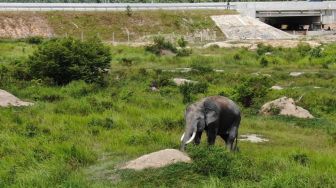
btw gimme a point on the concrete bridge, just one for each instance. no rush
(292, 13)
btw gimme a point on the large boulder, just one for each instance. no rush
(157, 159)
(7, 99)
(284, 106)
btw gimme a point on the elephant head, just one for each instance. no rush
(197, 117)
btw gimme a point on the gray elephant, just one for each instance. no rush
(216, 115)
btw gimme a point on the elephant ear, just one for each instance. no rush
(210, 116)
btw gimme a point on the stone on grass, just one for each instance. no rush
(276, 87)
(7, 99)
(254, 138)
(295, 74)
(285, 106)
(157, 159)
(181, 81)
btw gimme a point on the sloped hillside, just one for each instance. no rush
(137, 25)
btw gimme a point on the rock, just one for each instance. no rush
(7, 99)
(181, 81)
(157, 159)
(295, 74)
(254, 138)
(153, 88)
(182, 70)
(284, 106)
(276, 87)
(218, 70)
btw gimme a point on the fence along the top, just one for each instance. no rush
(109, 6)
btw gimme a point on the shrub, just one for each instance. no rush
(215, 160)
(262, 49)
(201, 66)
(34, 40)
(188, 89)
(264, 61)
(252, 88)
(159, 45)
(182, 42)
(303, 49)
(67, 59)
(183, 52)
(316, 52)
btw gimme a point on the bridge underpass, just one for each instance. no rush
(292, 20)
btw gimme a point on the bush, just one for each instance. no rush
(67, 59)
(316, 52)
(188, 89)
(303, 49)
(252, 88)
(215, 160)
(183, 52)
(264, 61)
(262, 49)
(182, 42)
(201, 66)
(159, 45)
(34, 40)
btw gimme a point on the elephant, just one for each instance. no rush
(217, 115)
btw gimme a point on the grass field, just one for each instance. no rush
(76, 135)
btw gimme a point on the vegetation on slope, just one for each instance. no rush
(76, 135)
(139, 26)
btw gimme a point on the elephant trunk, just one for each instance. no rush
(186, 138)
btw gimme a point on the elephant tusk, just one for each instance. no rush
(192, 138)
(182, 137)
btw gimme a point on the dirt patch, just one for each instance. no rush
(16, 25)
(285, 106)
(7, 99)
(253, 44)
(157, 159)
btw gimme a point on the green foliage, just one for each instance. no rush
(264, 61)
(159, 45)
(188, 89)
(34, 40)
(182, 42)
(303, 48)
(316, 52)
(215, 161)
(183, 52)
(262, 49)
(251, 89)
(67, 59)
(201, 65)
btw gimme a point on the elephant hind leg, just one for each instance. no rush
(233, 134)
(224, 137)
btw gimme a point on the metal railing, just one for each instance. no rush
(109, 6)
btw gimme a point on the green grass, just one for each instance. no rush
(77, 135)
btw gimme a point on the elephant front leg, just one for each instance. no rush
(198, 137)
(212, 134)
